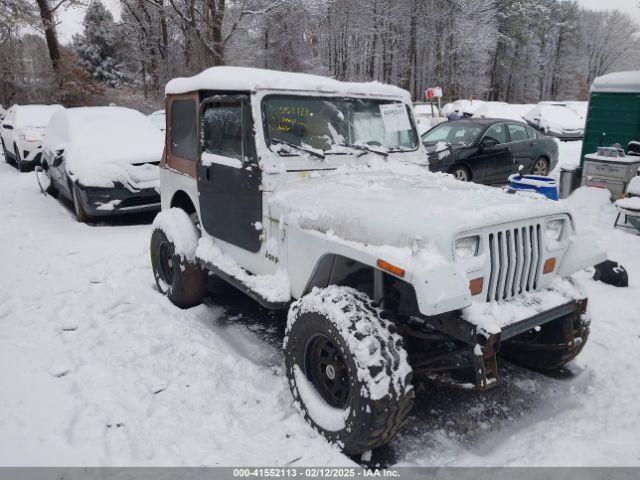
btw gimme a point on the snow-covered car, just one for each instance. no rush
(313, 195)
(462, 108)
(159, 119)
(556, 120)
(488, 150)
(22, 131)
(512, 111)
(104, 159)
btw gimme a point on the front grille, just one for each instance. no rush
(516, 255)
(140, 201)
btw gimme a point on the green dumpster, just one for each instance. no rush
(614, 110)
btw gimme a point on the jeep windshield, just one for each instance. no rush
(333, 126)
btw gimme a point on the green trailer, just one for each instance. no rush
(613, 115)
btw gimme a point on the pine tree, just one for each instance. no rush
(99, 47)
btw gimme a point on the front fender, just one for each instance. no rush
(440, 287)
(584, 251)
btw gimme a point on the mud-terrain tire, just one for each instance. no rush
(177, 273)
(78, 209)
(547, 349)
(366, 401)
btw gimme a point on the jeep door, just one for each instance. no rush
(228, 174)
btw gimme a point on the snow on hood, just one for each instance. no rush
(112, 144)
(395, 204)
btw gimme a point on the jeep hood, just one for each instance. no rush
(397, 203)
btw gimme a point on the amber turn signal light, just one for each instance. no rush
(387, 267)
(549, 265)
(476, 285)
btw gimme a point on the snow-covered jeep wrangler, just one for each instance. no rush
(314, 195)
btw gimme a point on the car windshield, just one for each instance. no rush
(455, 134)
(338, 125)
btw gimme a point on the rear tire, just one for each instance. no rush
(460, 172)
(347, 371)
(540, 167)
(182, 280)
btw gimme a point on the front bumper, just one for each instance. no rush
(101, 202)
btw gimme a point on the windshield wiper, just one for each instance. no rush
(365, 149)
(310, 151)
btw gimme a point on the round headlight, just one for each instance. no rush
(467, 247)
(553, 230)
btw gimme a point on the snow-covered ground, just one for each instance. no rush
(97, 368)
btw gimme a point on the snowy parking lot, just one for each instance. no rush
(98, 368)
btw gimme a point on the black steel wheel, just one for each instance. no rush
(328, 371)
(182, 280)
(551, 346)
(338, 351)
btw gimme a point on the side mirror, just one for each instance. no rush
(59, 157)
(488, 142)
(7, 126)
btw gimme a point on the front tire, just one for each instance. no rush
(347, 371)
(540, 167)
(78, 208)
(177, 273)
(19, 165)
(460, 172)
(552, 346)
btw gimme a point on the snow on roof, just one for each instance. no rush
(251, 79)
(621, 82)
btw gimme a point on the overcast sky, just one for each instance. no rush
(71, 20)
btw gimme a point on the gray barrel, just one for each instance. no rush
(569, 180)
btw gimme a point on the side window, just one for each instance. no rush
(517, 132)
(498, 132)
(222, 130)
(532, 132)
(183, 129)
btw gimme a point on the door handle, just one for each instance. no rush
(207, 174)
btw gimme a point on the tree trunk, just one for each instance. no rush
(49, 24)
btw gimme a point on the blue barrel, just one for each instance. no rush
(546, 186)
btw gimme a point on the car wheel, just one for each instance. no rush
(5, 152)
(81, 215)
(540, 167)
(347, 371)
(182, 280)
(18, 158)
(461, 173)
(551, 346)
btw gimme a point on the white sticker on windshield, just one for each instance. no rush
(395, 117)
